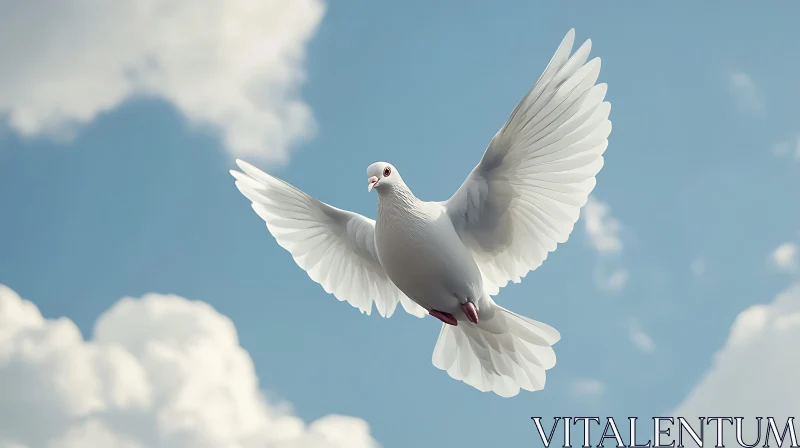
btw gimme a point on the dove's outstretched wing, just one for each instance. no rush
(335, 247)
(526, 193)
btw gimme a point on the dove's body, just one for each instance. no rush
(448, 258)
(423, 256)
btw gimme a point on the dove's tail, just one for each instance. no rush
(502, 353)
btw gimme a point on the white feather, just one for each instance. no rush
(502, 354)
(335, 247)
(526, 193)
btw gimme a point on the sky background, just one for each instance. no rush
(694, 219)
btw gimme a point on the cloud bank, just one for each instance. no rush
(159, 372)
(755, 372)
(234, 66)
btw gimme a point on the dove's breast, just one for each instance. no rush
(422, 254)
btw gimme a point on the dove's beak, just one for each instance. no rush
(373, 182)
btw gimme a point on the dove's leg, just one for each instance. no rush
(444, 317)
(468, 308)
(471, 311)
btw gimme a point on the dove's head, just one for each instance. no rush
(382, 176)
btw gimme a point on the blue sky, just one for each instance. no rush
(699, 172)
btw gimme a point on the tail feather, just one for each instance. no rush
(502, 354)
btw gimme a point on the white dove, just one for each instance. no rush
(447, 258)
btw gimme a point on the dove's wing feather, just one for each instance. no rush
(526, 193)
(335, 247)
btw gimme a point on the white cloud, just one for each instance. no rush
(588, 387)
(785, 257)
(639, 338)
(610, 280)
(698, 268)
(160, 371)
(789, 147)
(747, 93)
(234, 66)
(755, 372)
(603, 230)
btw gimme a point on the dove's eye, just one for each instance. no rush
(387, 171)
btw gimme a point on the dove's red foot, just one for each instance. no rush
(444, 317)
(471, 311)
